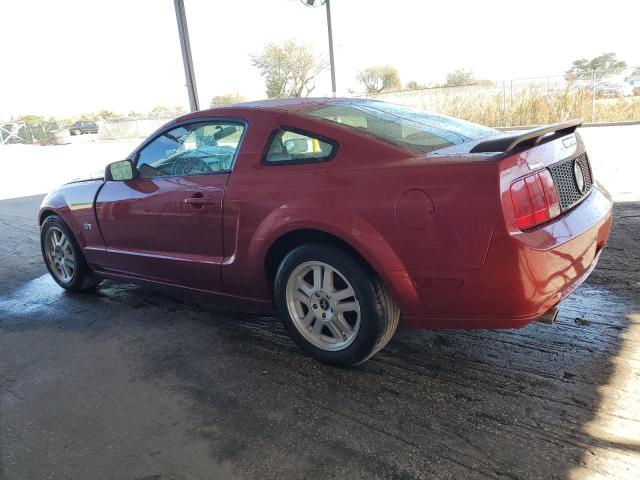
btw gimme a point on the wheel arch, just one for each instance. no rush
(302, 236)
(373, 253)
(65, 214)
(46, 212)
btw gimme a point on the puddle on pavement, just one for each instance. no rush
(35, 296)
(42, 297)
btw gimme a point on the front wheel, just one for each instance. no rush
(335, 310)
(63, 256)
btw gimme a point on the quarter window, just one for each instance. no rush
(194, 149)
(288, 146)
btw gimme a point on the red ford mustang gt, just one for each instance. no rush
(347, 214)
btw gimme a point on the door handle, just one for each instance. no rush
(198, 200)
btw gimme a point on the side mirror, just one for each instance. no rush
(119, 171)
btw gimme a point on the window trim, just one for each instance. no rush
(334, 144)
(134, 157)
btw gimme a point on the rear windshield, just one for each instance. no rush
(408, 128)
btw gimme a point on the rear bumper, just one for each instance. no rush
(524, 274)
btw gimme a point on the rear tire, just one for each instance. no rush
(333, 307)
(63, 256)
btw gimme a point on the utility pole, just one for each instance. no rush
(333, 68)
(327, 4)
(187, 60)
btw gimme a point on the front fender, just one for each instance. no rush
(74, 203)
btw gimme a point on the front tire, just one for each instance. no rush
(332, 306)
(63, 256)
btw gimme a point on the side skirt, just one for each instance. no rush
(259, 305)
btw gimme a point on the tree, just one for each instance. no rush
(289, 69)
(160, 111)
(106, 115)
(380, 78)
(227, 99)
(413, 85)
(178, 110)
(602, 65)
(30, 119)
(88, 116)
(460, 77)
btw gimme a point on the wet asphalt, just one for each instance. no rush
(132, 382)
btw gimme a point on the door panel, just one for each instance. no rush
(165, 228)
(166, 223)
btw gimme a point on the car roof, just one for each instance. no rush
(296, 104)
(289, 105)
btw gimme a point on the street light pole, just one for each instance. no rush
(190, 77)
(333, 68)
(327, 4)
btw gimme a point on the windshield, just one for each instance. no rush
(411, 129)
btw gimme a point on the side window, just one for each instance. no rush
(288, 146)
(194, 149)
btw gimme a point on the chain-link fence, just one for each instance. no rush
(21, 132)
(594, 96)
(130, 128)
(52, 133)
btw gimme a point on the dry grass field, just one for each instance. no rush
(503, 106)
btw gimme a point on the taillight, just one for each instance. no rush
(535, 200)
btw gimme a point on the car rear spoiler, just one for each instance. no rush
(508, 142)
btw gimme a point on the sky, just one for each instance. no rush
(65, 57)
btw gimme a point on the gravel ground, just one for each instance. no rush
(130, 382)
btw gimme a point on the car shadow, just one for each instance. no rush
(512, 403)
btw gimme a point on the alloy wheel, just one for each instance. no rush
(60, 256)
(323, 305)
